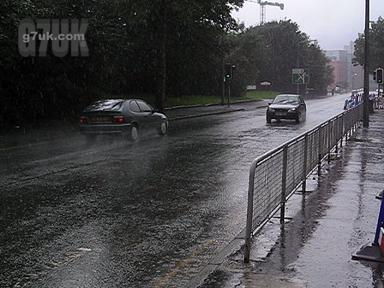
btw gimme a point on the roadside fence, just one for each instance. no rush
(277, 174)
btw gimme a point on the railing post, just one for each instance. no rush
(320, 153)
(353, 123)
(329, 140)
(336, 135)
(347, 129)
(248, 229)
(284, 184)
(304, 185)
(342, 131)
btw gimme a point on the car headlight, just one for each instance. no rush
(292, 110)
(271, 110)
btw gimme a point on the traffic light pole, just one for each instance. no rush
(366, 68)
(229, 68)
(229, 92)
(223, 90)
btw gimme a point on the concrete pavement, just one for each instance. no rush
(323, 228)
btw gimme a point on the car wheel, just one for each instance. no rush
(134, 133)
(163, 128)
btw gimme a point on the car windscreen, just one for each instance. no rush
(105, 105)
(286, 99)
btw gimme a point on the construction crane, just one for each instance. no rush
(263, 9)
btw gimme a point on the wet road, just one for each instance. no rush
(148, 214)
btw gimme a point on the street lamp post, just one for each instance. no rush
(366, 68)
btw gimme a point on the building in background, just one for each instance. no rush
(347, 76)
(339, 62)
(355, 72)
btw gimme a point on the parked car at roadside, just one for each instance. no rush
(287, 106)
(121, 116)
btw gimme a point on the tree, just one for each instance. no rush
(184, 31)
(376, 43)
(269, 53)
(155, 47)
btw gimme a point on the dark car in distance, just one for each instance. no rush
(287, 106)
(121, 116)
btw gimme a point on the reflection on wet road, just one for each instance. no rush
(118, 214)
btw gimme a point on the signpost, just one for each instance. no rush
(366, 67)
(300, 76)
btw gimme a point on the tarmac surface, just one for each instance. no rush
(53, 130)
(118, 214)
(324, 227)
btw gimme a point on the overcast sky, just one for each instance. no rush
(334, 23)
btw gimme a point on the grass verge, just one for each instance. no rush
(191, 100)
(203, 100)
(259, 95)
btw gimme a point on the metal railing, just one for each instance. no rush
(276, 175)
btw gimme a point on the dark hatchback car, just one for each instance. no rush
(119, 116)
(287, 106)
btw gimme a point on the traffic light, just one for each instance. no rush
(229, 71)
(379, 76)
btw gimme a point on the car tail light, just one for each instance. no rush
(83, 120)
(119, 119)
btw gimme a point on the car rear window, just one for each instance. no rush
(105, 105)
(143, 106)
(134, 107)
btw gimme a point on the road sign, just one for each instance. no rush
(300, 76)
(298, 71)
